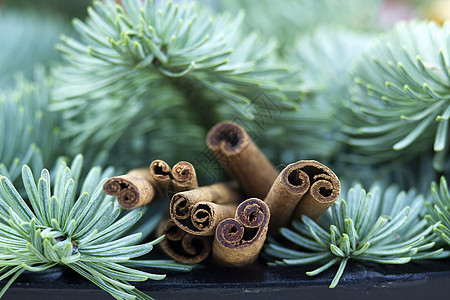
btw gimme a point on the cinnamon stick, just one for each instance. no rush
(161, 174)
(324, 191)
(184, 177)
(181, 177)
(305, 187)
(142, 173)
(239, 240)
(200, 210)
(241, 158)
(132, 190)
(182, 246)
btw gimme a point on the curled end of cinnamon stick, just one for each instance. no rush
(131, 191)
(182, 246)
(324, 190)
(325, 186)
(253, 213)
(184, 176)
(230, 233)
(295, 180)
(238, 241)
(199, 211)
(203, 217)
(180, 208)
(112, 186)
(227, 137)
(160, 171)
(285, 194)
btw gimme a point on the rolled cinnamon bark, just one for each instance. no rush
(241, 158)
(184, 177)
(161, 174)
(238, 241)
(324, 191)
(132, 190)
(143, 173)
(200, 210)
(305, 187)
(182, 246)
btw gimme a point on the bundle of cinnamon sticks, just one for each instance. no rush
(227, 221)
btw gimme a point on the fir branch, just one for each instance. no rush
(375, 227)
(151, 61)
(76, 225)
(439, 209)
(401, 104)
(29, 133)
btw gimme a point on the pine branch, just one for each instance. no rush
(382, 227)
(438, 209)
(29, 133)
(401, 98)
(76, 225)
(147, 62)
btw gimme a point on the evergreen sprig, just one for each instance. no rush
(29, 132)
(385, 228)
(401, 102)
(75, 224)
(146, 62)
(439, 209)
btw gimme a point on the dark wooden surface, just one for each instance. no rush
(410, 281)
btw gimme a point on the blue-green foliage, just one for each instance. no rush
(72, 222)
(161, 69)
(381, 226)
(29, 132)
(401, 102)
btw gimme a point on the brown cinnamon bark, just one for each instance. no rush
(200, 210)
(161, 174)
(305, 187)
(238, 241)
(143, 173)
(184, 177)
(132, 190)
(241, 158)
(182, 246)
(324, 191)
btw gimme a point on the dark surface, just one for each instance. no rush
(411, 281)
